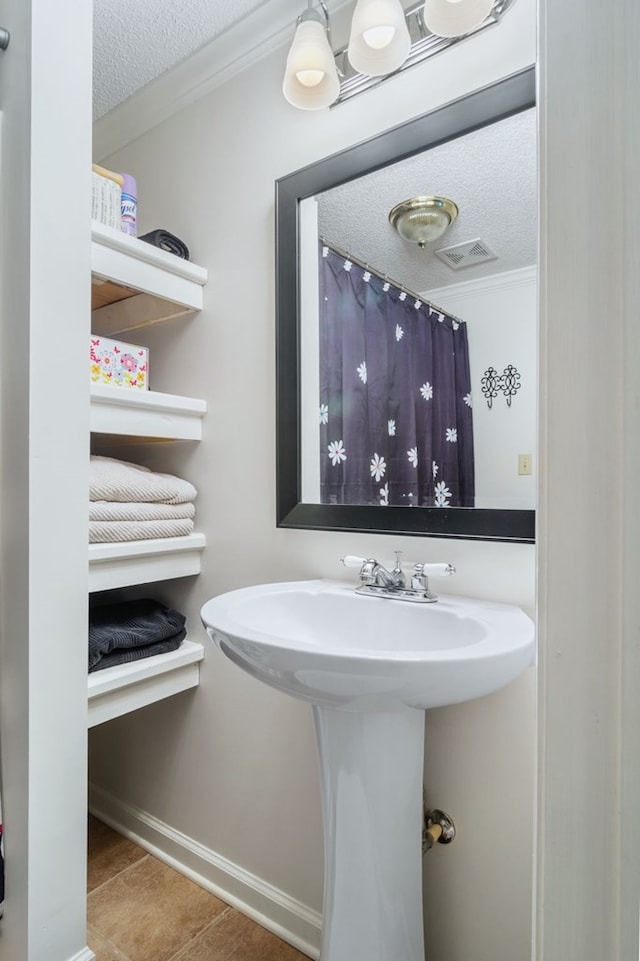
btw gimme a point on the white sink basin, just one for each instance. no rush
(321, 641)
(365, 664)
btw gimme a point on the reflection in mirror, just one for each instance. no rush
(406, 372)
(398, 407)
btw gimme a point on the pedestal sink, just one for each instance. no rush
(370, 666)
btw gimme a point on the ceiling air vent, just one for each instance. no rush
(469, 254)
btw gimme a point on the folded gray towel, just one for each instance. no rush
(130, 630)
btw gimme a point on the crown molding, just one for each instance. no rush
(521, 277)
(225, 56)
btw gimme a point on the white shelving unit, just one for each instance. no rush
(146, 414)
(134, 285)
(127, 687)
(141, 562)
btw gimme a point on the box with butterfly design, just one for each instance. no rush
(118, 364)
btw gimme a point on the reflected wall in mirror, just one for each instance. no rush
(407, 375)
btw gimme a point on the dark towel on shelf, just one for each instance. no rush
(127, 655)
(166, 241)
(130, 630)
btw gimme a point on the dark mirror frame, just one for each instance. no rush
(486, 106)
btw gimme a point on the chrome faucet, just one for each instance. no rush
(377, 581)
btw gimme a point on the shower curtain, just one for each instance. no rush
(396, 422)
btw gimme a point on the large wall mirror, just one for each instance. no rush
(406, 374)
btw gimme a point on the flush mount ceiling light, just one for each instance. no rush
(422, 220)
(384, 39)
(454, 18)
(379, 41)
(311, 77)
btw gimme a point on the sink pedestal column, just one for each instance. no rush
(371, 766)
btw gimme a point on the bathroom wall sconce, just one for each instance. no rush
(422, 220)
(384, 40)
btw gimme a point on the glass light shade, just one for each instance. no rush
(310, 77)
(454, 18)
(379, 41)
(423, 219)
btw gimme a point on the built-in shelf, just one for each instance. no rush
(127, 687)
(128, 412)
(135, 284)
(142, 562)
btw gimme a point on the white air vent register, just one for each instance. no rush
(468, 254)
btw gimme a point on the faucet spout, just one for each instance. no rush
(377, 580)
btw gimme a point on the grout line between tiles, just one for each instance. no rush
(115, 951)
(212, 924)
(118, 874)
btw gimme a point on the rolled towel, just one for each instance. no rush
(115, 511)
(129, 630)
(166, 241)
(112, 532)
(117, 480)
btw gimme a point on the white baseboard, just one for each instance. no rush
(275, 910)
(85, 955)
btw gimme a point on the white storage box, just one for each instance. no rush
(118, 364)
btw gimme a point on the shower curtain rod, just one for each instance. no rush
(388, 280)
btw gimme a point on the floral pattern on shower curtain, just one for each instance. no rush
(396, 424)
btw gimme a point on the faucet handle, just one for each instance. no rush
(351, 560)
(435, 570)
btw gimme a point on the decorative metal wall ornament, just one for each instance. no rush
(491, 384)
(510, 382)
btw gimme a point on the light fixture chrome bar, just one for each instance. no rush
(423, 45)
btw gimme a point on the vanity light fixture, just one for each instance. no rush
(380, 40)
(454, 18)
(422, 220)
(385, 39)
(311, 77)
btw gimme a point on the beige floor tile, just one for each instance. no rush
(102, 949)
(108, 853)
(236, 938)
(149, 911)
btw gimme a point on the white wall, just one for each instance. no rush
(45, 87)
(501, 316)
(232, 765)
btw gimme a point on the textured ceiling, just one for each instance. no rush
(137, 40)
(490, 174)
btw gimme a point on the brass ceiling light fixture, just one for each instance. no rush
(421, 220)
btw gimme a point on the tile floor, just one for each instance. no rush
(139, 909)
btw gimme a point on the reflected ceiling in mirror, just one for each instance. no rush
(467, 470)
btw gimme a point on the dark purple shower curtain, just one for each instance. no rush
(395, 395)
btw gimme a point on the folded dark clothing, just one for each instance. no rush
(166, 241)
(129, 625)
(127, 655)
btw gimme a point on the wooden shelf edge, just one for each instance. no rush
(119, 690)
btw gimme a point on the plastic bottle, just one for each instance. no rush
(129, 206)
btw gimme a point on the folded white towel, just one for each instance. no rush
(114, 511)
(107, 532)
(117, 480)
